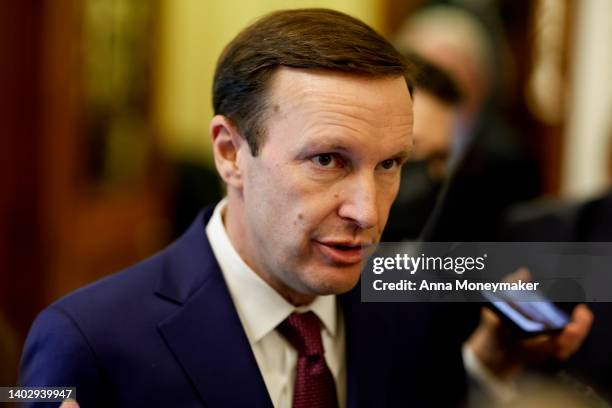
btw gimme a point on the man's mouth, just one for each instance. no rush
(345, 253)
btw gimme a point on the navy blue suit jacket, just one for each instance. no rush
(166, 333)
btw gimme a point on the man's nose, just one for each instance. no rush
(359, 202)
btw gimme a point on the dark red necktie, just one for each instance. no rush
(314, 383)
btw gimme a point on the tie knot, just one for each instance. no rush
(303, 331)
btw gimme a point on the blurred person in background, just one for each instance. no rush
(561, 220)
(485, 173)
(587, 220)
(488, 169)
(436, 98)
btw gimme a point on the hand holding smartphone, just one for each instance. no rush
(527, 318)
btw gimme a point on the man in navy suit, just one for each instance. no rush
(255, 305)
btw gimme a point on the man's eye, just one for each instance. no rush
(388, 164)
(325, 160)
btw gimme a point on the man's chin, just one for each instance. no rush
(337, 281)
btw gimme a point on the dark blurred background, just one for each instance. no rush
(105, 105)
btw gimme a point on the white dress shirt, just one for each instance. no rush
(261, 309)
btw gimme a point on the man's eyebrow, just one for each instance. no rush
(333, 144)
(328, 144)
(403, 154)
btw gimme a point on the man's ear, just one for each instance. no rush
(226, 142)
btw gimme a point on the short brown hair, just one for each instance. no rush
(303, 38)
(435, 80)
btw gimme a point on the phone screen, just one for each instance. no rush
(534, 316)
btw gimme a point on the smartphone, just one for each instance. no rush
(527, 318)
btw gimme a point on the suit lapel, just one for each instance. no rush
(205, 334)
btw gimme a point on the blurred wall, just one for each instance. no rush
(586, 152)
(193, 34)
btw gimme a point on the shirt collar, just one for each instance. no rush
(260, 308)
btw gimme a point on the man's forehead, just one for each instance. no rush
(291, 87)
(327, 112)
(315, 98)
(330, 111)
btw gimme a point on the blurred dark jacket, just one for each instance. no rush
(414, 204)
(493, 174)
